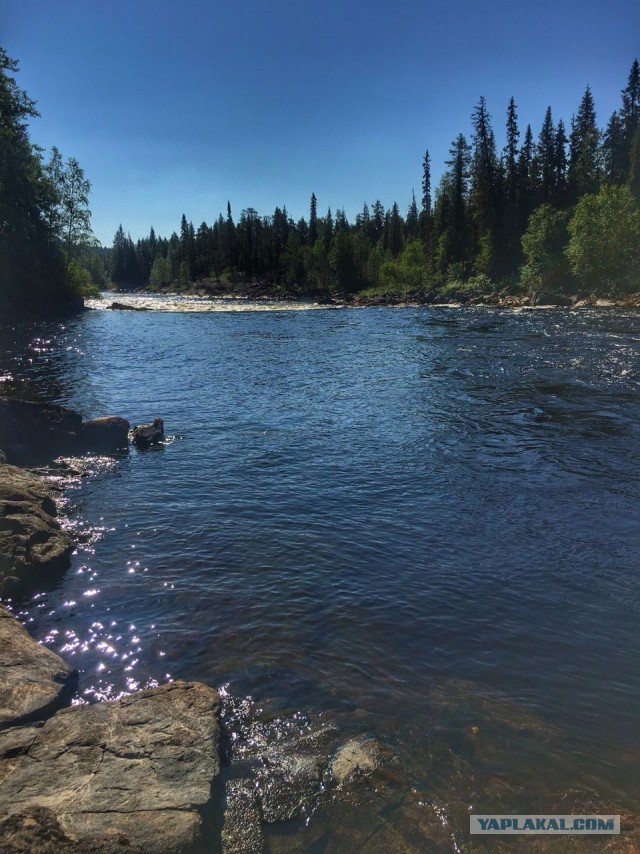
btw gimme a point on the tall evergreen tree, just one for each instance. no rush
(630, 112)
(561, 163)
(411, 223)
(615, 151)
(485, 190)
(546, 155)
(313, 220)
(584, 158)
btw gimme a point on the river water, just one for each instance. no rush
(422, 523)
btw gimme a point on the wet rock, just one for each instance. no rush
(103, 435)
(34, 682)
(242, 829)
(288, 785)
(122, 306)
(32, 542)
(132, 775)
(144, 435)
(552, 299)
(357, 757)
(32, 433)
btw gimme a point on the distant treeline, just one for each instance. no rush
(558, 211)
(554, 211)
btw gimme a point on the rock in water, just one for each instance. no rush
(132, 775)
(34, 433)
(144, 435)
(31, 540)
(34, 682)
(356, 757)
(105, 434)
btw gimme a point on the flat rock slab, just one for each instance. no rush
(34, 682)
(133, 775)
(31, 539)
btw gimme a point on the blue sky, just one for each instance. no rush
(178, 107)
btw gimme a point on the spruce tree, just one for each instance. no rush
(584, 158)
(313, 220)
(546, 154)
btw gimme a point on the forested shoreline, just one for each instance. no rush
(554, 212)
(558, 212)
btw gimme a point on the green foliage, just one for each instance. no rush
(159, 276)
(543, 244)
(36, 274)
(79, 281)
(604, 244)
(409, 271)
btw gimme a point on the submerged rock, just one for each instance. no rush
(31, 539)
(109, 433)
(242, 828)
(132, 775)
(34, 682)
(144, 435)
(357, 757)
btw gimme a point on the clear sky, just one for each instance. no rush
(175, 107)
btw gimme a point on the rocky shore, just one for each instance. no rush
(154, 771)
(452, 296)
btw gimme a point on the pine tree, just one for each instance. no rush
(615, 151)
(584, 158)
(411, 223)
(630, 112)
(561, 164)
(485, 190)
(313, 220)
(546, 154)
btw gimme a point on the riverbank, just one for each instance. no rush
(451, 297)
(144, 773)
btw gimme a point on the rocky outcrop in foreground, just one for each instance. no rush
(132, 775)
(34, 682)
(36, 433)
(32, 543)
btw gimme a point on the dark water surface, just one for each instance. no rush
(417, 522)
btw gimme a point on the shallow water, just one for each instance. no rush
(416, 522)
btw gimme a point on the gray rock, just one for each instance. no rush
(357, 757)
(552, 299)
(131, 775)
(144, 435)
(106, 434)
(242, 828)
(31, 539)
(33, 433)
(34, 681)
(123, 306)
(288, 786)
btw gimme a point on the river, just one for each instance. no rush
(422, 523)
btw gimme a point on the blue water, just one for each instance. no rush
(411, 520)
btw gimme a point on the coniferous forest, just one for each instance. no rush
(556, 209)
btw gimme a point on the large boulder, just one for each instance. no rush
(106, 434)
(34, 433)
(34, 682)
(144, 435)
(32, 543)
(133, 775)
(551, 298)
